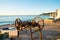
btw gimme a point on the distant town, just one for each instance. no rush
(54, 15)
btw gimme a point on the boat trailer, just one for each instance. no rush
(36, 22)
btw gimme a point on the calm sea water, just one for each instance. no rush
(10, 19)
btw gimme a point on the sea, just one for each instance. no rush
(9, 19)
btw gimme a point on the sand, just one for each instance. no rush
(51, 31)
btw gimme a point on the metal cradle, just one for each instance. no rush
(35, 22)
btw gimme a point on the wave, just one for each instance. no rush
(6, 22)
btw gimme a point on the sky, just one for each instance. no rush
(28, 7)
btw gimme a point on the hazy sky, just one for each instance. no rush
(27, 7)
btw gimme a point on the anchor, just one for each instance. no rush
(36, 22)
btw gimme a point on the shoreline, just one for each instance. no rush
(48, 26)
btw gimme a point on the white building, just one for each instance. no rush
(54, 15)
(58, 13)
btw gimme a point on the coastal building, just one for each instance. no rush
(54, 15)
